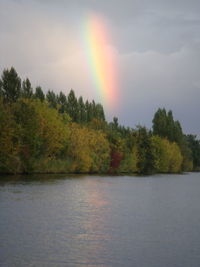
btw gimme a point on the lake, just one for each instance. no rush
(59, 220)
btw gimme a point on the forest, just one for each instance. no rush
(57, 133)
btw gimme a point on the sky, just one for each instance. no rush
(155, 45)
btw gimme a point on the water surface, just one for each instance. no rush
(105, 221)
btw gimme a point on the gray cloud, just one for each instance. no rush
(157, 44)
(153, 80)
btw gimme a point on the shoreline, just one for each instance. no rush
(94, 173)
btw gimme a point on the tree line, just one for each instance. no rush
(55, 133)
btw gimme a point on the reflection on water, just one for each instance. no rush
(59, 220)
(91, 207)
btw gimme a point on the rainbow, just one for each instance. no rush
(101, 60)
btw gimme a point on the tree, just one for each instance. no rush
(27, 91)
(26, 119)
(167, 155)
(129, 161)
(39, 94)
(187, 163)
(88, 111)
(62, 100)
(194, 146)
(115, 123)
(160, 123)
(100, 112)
(82, 111)
(145, 155)
(79, 150)
(165, 126)
(9, 146)
(99, 150)
(10, 85)
(51, 98)
(160, 150)
(72, 106)
(176, 158)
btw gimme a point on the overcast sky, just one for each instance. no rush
(156, 43)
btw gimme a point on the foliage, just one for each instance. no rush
(145, 153)
(39, 94)
(129, 162)
(167, 155)
(88, 150)
(62, 133)
(9, 147)
(10, 85)
(165, 126)
(52, 99)
(27, 91)
(194, 146)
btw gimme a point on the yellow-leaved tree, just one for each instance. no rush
(9, 146)
(167, 155)
(53, 138)
(88, 150)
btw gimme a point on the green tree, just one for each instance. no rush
(82, 111)
(194, 146)
(79, 150)
(10, 85)
(9, 146)
(39, 94)
(53, 130)
(145, 155)
(99, 151)
(176, 158)
(100, 112)
(27, 91)
(62, 101)
(52, 99)
(72, 106)
(165, 126)
(88, 111)
(187, 163)
(167, 155)
(160, 123)
(130, 161)
(26, 118)
(115, 123)
(89, 150)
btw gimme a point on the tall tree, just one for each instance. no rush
(10, 85)
(115, 123)
(51, 98)
(28, 127)
(100, 112)
(165, 126)
(9, 147)
(145, 155)
(62, 100)
(27, 91)
(88, 111)
(72, 106)
(194, 145)
(160, 122)
(39, 94)
(82, 111)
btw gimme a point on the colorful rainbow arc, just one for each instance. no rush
(101, 60)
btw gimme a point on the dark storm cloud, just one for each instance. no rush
(157, 45)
